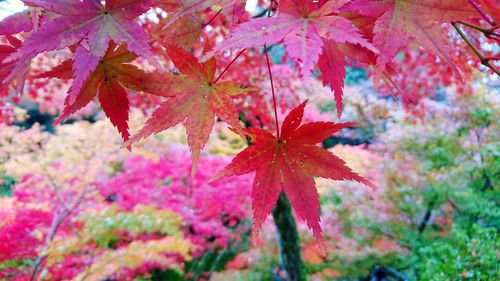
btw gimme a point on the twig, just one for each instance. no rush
(272, 91)
(395, 239)
(426, 218)
(213, 18)
(57, 221)
(396, 274)
(271, 77)
(482, 58)
(486, 31)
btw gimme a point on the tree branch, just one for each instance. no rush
(288, 241)
(484, 61)
(488, 32)
(426, 218)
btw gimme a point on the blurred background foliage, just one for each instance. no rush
(76, 206)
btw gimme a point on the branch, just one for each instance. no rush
(61, 215)
(484, 61)
(395, 239)
(487, 181)
(381, 272)
(396, 274)
(454, 205)
(488, 32)
(426, 218)
(288, 241)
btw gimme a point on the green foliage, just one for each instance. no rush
(466, 255)
(440, 198)
(215, 261)
(167, 275)
(458, 190)
(361, 267)
(18, 264)
(105, 227)
(6, 184)
(211, 261)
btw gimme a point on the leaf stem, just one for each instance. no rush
(269, 10)
(213, 18)
(482, 13)
(484, 61)
(272, 91)
(229, 65)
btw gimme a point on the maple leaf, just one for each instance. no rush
(309, 30)
(6, 67)
(493, 9)
(398, 20)
(198, 100)
(288, 163)
(23, 21)
(190, 7)
(91, 25)
(183, 32)
(107, 82)
(184, 24)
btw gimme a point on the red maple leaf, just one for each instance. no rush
(6, 67)
(399, 20)
(309, 31)
(107, 82)
(196, 99)
(288, 163)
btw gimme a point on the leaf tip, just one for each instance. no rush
(339, 110)
(370, 184)
(59, 120)
(128, 144)
(194, 166)
(322, 248)
(217, 177)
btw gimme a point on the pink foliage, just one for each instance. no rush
(18, 240)
(214, 215)
(210, 210)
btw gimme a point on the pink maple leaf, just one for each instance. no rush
(305, 27)
(92, 26)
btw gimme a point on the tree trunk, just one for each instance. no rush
(288, 241)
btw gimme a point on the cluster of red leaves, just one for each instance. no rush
(17, 234)
(107, 37)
